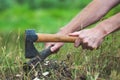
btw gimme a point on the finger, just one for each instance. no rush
(88, 46)
(84, 45)
(77, 42)
(49, 44)
(90, 42)
(74, 34)
(97, 44)
(56, 47)
(94, 46)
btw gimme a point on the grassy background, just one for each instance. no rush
(14, 20)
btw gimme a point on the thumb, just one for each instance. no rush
(75, 34)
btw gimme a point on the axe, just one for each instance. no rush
(33, 54)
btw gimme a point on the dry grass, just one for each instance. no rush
(101, 64)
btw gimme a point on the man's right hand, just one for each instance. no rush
(55, 46)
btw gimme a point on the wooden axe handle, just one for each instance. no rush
(55, 38)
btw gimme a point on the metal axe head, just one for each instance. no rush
(30, 38)
(30, 50)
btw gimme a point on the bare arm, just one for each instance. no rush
(90, 14)
(92, 38)
(110, 25)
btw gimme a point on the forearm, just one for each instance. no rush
(110, 25)
(90, 14)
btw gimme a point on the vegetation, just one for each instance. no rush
(47, 16)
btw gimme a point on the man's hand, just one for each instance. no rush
(92, 38)
(55, 46)
(88, 38)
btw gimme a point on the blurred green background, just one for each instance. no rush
(46, 16)
(42, 15)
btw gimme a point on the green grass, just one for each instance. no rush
(103, 63)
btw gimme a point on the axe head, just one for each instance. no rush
(30, 50)
(30, 38)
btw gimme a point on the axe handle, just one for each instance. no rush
(55, 38)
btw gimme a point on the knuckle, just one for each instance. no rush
(85, 41)
(94, 46)
(81, 36)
